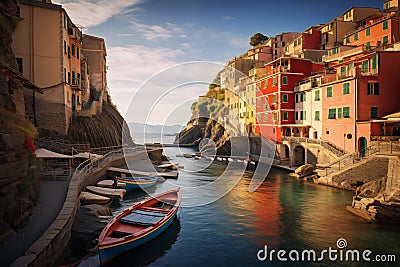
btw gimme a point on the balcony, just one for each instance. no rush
(369, 72)
(307, 84)
(328, 78)
(345, 53)
(277, 70)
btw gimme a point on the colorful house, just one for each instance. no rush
(275, 95)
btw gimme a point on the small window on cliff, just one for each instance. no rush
(20, 66)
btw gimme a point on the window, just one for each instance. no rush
(265, 116)
(297, 115)
(302, 115)
(367, 45)
(258, 102)
(285, 98)
(347, 40)
(284, 80)
(385, 39)
(79, 101)
(346, 88)
(346, 112)
(297, 98)
(316, 96)
(73, 77)
(373, 88)
(356, 36)
(273, 99)
(65, 47)
(266, 84)
(69, 77)
(65, 75)
(374, 112)
(302, 97)
(368, 32)
(339, 113)
(69, 52)
(332, 113)
(316, 115)
(274, 80)
(385, 25)
(375, 62)
(258, 117)
(364, 66)
(20, 67)
(73, 50)
(329, 91)
(65, 21)
(78, 78)
(276, 116)
(77, 53)
(285, 116)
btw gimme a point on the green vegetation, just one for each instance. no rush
(257, 39)
(14, 123)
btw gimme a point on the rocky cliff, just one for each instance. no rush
(19, 175)
(101, 131)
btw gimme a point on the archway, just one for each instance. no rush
(287, 132)
(362, 145)
(287, 152)
(296, 132)
(299, 156)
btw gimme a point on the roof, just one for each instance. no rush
(47, 154)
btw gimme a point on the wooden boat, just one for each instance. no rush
(132, 183)
(90, 198)
(108, 192)
(138, 224)
(110, 184)
(172, 175)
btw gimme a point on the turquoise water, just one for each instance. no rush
(284, 213)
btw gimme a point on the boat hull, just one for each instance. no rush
(108, 253)
(134, 184)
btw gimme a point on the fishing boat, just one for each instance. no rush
(132, 183)
(138, 224)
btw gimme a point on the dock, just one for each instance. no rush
(90, 198)
(172, 175)
(110, 184)
(108, 192)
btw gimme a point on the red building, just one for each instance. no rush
(275, 94)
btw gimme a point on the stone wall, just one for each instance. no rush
(19, 183)
(373, 168)
(51, 116)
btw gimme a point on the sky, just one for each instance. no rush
(161, 54)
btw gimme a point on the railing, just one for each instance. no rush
(369, 71)
(332, 148)
(385, 138)
(342, 54)
(349, 159)
(277, 70)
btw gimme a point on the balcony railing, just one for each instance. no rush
(349, 52)
(369, 71)
(328, 78)
(277, 70)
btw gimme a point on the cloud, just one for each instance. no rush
(153, 32)
(124, 34)
(228, 17)
(91, 13)
(130, 66)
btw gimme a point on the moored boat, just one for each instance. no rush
(132, 183)
(138, 224)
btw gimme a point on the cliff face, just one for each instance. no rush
(101, 131)
(19, 176)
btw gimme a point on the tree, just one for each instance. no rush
(257, 39)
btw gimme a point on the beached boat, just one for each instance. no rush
(138, 224)
(110, 184)
(108, 192)
(90, 198)
(132, 183)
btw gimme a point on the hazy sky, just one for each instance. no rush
(146, 37)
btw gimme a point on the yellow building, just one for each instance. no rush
(48, 49)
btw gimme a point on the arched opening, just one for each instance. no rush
(299, 156)
(287, 132)
(296, 132)
(287, 152)
(362, 145)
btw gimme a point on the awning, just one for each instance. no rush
(86, 155)
(395, 115)
(47, 154)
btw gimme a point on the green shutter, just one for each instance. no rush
(385, 39)
(285, 116)
(367, 45)
(274, 80)
(346, 88)
(284, 98)
(316, 117)
(346, 112)
(356, 36)
(364, 66)
(385, 25)
(374, 112)
(329, 91)
(316, 96)
(339, 113)
(347, 40)
(375, 62)
(367, 31)
(284, 80)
